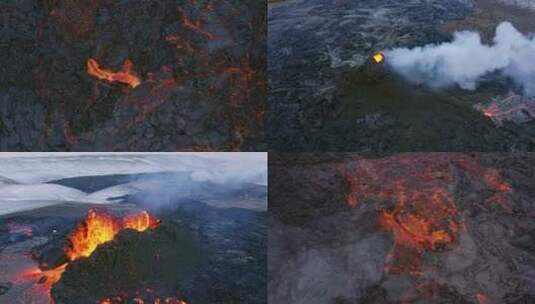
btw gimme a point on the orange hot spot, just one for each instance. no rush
(51, 276)
(99, 227)
(378, 57)
(126, 75)
(140, 222)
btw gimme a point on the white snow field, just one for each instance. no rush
(23, 176)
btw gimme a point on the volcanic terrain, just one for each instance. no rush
(135, 75)
(326, 93)
(404, 228)
(134, 238)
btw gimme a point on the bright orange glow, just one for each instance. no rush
(422, 213)
(140, 222)
(99, 227)
(52, 275)
(126, 75)
(378, 57)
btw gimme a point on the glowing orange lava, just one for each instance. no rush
(126, 75)
(378, 57)
(423, 214)
(97, 228)
(52, 275)
(100, 227)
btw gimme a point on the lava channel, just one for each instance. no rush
(126, 75)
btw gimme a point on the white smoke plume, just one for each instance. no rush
(466, 59)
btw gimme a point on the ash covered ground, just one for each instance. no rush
(326, 95)
(209, 245)
(403, 228)
(195, 80)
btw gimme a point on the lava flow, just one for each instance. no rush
(126, 75)
(97, 228)
(423, 214)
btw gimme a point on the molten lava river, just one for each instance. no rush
(97, 228)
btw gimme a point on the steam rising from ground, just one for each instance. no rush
(466, 59)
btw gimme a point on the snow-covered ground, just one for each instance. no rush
(23, 175)
(43, 167)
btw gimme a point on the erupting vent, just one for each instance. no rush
(97, 228)
(378, 57)
(100, 227)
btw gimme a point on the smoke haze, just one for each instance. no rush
(466, 59)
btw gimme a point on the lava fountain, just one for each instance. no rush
(97, 228)
(100, 227)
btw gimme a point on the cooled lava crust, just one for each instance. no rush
(132, 75)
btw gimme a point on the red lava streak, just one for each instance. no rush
(423, 214)
(126, 75)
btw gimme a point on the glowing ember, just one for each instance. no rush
(126, 75)
(513, 107)
(378, 57)
(100, 227)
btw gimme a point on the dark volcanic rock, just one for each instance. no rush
(235, 271)
(134, 261)
(4, 287)
(323, 89)
(201, 65)
(199, 253)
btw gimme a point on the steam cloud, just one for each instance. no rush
(466, 59)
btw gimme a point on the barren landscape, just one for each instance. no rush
(402, 228)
